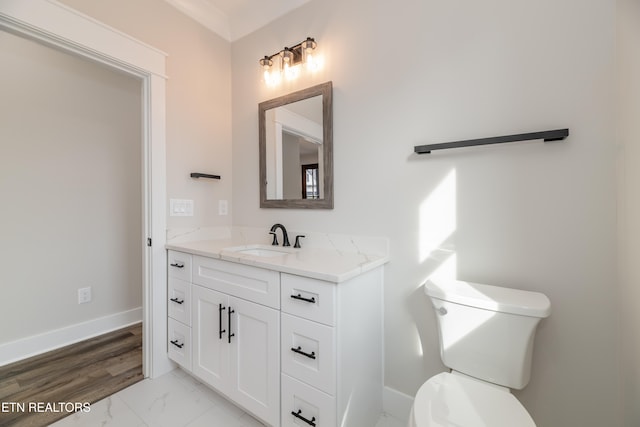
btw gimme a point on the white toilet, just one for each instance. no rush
(486, 338)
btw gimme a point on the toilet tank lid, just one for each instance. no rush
(488, 297)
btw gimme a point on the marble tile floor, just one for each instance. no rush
(173, 400)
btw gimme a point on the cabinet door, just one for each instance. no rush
(210, 349)
(179, 345)
(303, 405)
(255, 358)
(309, 298)
(179, 302)
(179, 265)
(309, 352)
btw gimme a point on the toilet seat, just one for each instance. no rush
(453, 399)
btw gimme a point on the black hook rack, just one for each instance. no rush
(548, 135)
(204, 175)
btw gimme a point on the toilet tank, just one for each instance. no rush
(487, 331)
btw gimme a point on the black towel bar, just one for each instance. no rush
(204, 175)
(548, 135)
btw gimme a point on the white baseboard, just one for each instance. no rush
(41, 343)
(396, 404)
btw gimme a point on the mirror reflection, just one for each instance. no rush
(296, 150)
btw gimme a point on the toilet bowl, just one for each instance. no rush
(454, 399)
(486, 336)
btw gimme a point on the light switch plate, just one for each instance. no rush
(180, 207)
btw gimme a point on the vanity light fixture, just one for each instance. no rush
(289, 61)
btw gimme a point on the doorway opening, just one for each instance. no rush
(62, 28)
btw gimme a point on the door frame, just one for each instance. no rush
(66, 29)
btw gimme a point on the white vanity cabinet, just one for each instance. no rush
(292, 350)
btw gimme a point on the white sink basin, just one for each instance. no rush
(258, 250)
(262, 252)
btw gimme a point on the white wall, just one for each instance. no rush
(198, 99)
(629, 203)
(532, 216)
(70, 181)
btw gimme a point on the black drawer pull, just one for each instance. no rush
(230, 312)
(299, 351)
(176, 344)
(177, 301)
(177, 265)
(300, 297)
(220, 330)
(297, 415)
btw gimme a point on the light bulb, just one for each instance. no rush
(266, 65)
(288, 71)
(311, 64)
(307, 47)
(287, 56)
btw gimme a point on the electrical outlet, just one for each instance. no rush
(223, 207)
(84, 295)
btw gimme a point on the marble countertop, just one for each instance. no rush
(334, 259)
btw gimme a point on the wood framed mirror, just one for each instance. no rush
(296, 149)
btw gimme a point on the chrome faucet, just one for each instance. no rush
(285, 237)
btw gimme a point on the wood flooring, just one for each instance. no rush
(87, 371)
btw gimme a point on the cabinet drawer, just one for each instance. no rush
(308, 352)
(179, 300)
(243, 281)
(179, 343)
(306, 402)
(309, 298)
(179, 265)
